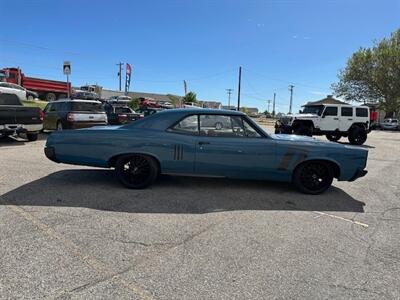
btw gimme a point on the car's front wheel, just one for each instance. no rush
(313, 177)
(136, 171)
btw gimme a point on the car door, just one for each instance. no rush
(346, 118)
(179, 146)
(330, 119)
(50, 116)
(236, 149)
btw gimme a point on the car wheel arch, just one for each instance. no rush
(335, 165)
(112, 160)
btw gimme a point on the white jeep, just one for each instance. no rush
(332, 120)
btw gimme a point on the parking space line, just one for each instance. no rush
(341, 218)
(89, 260)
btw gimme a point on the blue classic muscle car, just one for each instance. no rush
(203, 142)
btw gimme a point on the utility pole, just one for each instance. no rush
(120, 73)
(291, 98)
(229, 91)
(240, 81)
(185, 87)
(269, 102)
(273, 106)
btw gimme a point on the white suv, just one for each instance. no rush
(333, 120)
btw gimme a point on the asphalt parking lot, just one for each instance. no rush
(70, 232)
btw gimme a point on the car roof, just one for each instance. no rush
(166, 118)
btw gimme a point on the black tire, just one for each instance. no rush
(313, 177)
(30, 98)
(357, 135)
(32, 136)
(51, 97)
(136, 171)
(303, 130)
(333, 137)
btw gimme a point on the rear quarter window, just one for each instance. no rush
(9, 99)
(361, 112)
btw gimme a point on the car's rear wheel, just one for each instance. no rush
(357, 135)
(333, 137)
(313, 177)
(51, 97)
(136, 171)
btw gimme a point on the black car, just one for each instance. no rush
(73, 114)
(120, 114)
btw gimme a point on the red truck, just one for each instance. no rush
(49, 90)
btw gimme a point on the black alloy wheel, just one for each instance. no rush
(357, 135)
(313, 177)
(136, 171)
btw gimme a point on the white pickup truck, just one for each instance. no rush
(332, 120)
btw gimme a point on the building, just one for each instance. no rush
(328, 100)
(210, 104)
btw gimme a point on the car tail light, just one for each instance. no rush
(41, 115)
(141, 116)
(70, 117)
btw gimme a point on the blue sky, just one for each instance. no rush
(276, 42)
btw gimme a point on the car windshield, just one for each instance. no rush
(313, 109)
(87, 106)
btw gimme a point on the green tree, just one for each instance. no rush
(134, 103)
(174, 99)
(373, 74)
(190, 98)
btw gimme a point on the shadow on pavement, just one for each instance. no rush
(99, 189)
(6, 141)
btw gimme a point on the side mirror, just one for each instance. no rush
(323, 116)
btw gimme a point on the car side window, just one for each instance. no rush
(221, 126)
(249, 130)
(188, 125)
(331, 111)
(347, 111)
(361, 112)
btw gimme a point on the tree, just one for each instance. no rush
(174, 99)
(373, 74)
(190, 98)
(134, 103)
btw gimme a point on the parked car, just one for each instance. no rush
(163, 144)
(119, 100)
(11, 88)
(17, 119)
(390, 124)
(120, 114)
(332, 120)
(84, 95)
(73, 114)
